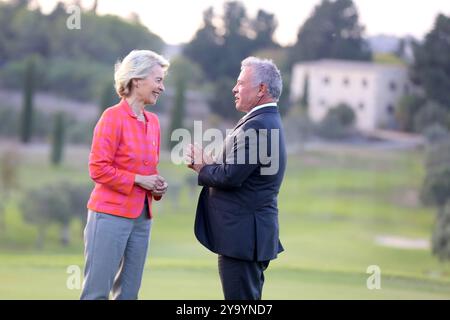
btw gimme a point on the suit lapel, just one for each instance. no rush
(271, 109)
(230, 137)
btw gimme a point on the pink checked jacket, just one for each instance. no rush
(122, 147)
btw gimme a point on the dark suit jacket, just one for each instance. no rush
(237, 213)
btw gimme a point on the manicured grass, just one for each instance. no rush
(333, 205)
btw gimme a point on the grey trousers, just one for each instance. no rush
(115, 253)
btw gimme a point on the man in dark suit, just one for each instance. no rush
(237, 213)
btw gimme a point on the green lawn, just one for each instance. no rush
(333, 205)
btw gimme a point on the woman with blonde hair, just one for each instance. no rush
(123, 164)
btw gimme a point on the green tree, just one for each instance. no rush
(344, 114)
(44, 206)
(31, 30)
(436, 192)
(177, 110)
(332, 31)
(436, 187)
(337, 123)
(406, 110)
(205, 47)
(26, 128)
(72, 58)
(58, 139)
(304, 101)
(430, 114)
(184, 70)
(78, 196)
(8, 37)
(237, 44)
(108, 97)
(441, 233)
(436, 133)
(219, 52)
(431, 68)
(183, 75)
(9, 167)
(56, 204)
(264, 27)
(222, 102)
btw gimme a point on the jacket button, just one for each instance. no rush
(146, 162)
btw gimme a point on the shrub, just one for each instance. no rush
(338, 122)
(431, 114)
(441, 234)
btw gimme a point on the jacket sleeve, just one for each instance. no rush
(105, 142)
(157, 198)
(233, 171)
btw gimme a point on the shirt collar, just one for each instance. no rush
(270, 104)
(124, 104)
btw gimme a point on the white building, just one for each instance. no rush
(371, 90)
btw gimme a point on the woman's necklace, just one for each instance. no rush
(141, 117)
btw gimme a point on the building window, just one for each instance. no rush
(326, 80)
(392, 86)
(346, 82)
(364, 83)
(390, 109)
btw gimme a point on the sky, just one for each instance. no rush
(176, 21)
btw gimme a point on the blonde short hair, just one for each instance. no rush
(137, 64)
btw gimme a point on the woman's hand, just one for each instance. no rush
(159, 192)
(153, 182)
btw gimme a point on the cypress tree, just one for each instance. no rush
(178, 109)
(304, 102)
(58, 139)
(26, 127)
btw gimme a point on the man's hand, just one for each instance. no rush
(196, 159)
(153, 182)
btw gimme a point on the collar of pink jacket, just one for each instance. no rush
(125, 105)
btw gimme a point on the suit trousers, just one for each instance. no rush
(241, 279)
(115, 254)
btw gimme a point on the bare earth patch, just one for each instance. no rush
(402, 242)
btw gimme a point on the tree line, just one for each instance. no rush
(74, 63)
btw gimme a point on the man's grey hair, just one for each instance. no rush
(265, 71)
